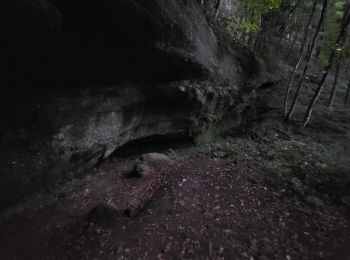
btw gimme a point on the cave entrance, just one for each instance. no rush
(158, 143)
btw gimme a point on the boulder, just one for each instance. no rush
(141, 169)
(148, 164)
(155, 159)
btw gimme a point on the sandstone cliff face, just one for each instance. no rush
(83, 78)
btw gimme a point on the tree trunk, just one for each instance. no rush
(308, 59)
(217, 12)
(345, 24)
(281, 30)
(306, 30)
(294, 8)
(334, 88)
(285, 104)
(292, 46)
(320, 44)
(347, 94)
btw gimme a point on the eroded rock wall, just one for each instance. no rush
(83, 78)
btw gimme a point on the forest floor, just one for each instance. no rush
(273, 191)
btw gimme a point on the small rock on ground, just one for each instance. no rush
(155, 159)
(102, 215)
(141, 169)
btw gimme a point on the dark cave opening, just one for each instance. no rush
(155, 143)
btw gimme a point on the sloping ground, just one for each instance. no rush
(206, 206)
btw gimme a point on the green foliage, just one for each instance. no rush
(232, 25)
(339, 5)
(260, 7)
(249, 27)
(323, 59)
(331, 32)
(247, 21)
(344, 51)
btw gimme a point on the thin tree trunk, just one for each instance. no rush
(308, 59)
(347, 94)
(289, 88)
(292, 46)
(331, 59)
(281, 30)
(320, 44)
(306, 30)
(217, 12)
(334, 88)
(294, 8)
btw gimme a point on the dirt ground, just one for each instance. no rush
(204, 206)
